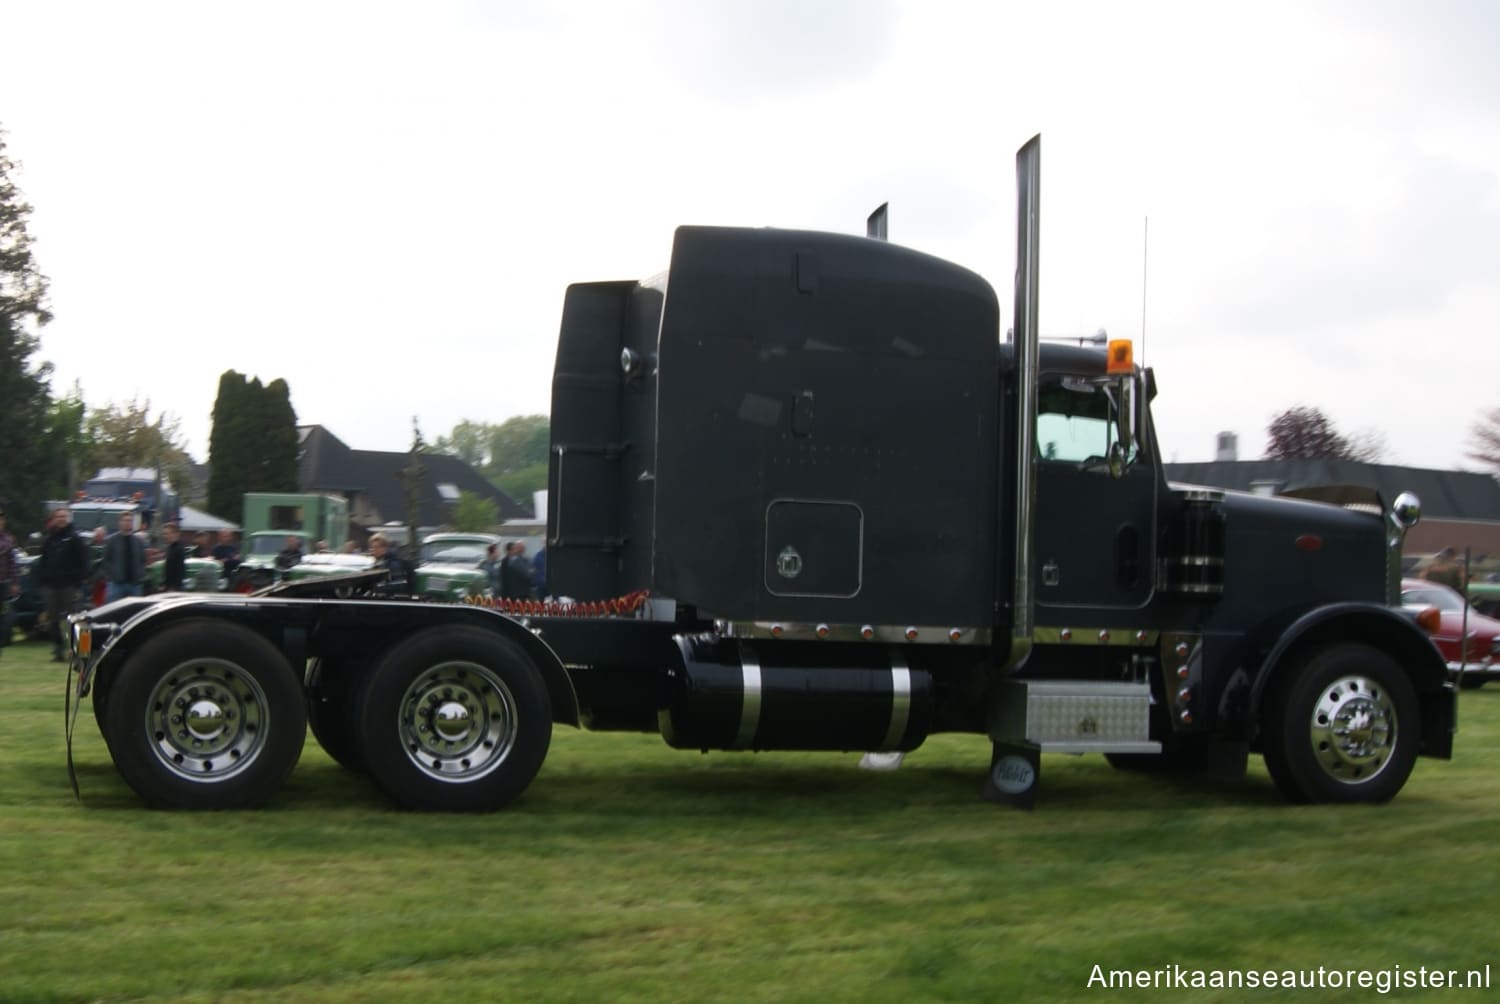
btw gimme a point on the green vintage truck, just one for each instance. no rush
(272, 517)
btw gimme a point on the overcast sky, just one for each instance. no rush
(383, 202)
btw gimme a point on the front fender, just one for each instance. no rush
(1384, 628)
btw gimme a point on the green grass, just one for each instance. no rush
(630, 871)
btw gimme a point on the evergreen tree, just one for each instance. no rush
(253, 444)
(28, 472)
(228, 448)
(279, 445)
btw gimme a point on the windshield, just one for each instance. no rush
(267, 545)
(452, 552)
(342, 561)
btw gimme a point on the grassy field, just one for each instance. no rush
(630, 871)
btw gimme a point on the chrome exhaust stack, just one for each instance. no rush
(1028, 249)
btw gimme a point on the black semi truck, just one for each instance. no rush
(805, 496)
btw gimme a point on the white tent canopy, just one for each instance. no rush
(192, 520)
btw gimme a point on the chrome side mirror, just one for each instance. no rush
(1117, 455)
(1407, 512)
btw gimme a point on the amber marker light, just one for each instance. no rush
(1121, 356)
(1429, 619)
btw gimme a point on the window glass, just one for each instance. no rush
(1076, 421)
(1443, 599)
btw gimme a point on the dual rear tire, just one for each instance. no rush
(209, 715)
(205, 715)
(454, 720)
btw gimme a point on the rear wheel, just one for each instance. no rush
(333, 709)
(1342, 728)
(206, 715)
(455, 720)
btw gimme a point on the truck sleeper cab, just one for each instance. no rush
(861, 519)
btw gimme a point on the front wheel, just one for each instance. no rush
(455, 720)
(1344, 727)
(206, 715)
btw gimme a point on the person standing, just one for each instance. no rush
(124, 561)
(1445, 568)
(539, 574)
(174, 562)
(491, 568)
(386, 557)
(10, 581)
(227, 553)
(291, 554)
(62, 569)
(515, 573)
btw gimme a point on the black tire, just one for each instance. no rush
(1342, 727)
(99, 695)
(455, 720)
(333, 704)
(206, 715)
(1470, 681)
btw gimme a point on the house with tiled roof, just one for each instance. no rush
(374, 483)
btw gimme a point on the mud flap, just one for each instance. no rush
(1015, 772)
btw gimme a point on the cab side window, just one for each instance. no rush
(1076, 420)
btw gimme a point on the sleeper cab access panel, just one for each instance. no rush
(808, 433)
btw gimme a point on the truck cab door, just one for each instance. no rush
(1096, 500)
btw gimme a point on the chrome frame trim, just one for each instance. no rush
(900, 700)
(929, 634)
(1086, 635)
(750, 700)
(1194, 561)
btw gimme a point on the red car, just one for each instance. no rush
(1483, 649)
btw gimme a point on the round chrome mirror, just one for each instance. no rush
(1407, 511)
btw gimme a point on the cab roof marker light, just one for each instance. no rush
(1120, 356)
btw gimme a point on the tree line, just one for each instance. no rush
(50, 444)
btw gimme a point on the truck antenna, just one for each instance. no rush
(875, 226)
(1145, 251)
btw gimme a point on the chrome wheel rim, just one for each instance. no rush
(207, 720)
(1353, 729)
(458, 721)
